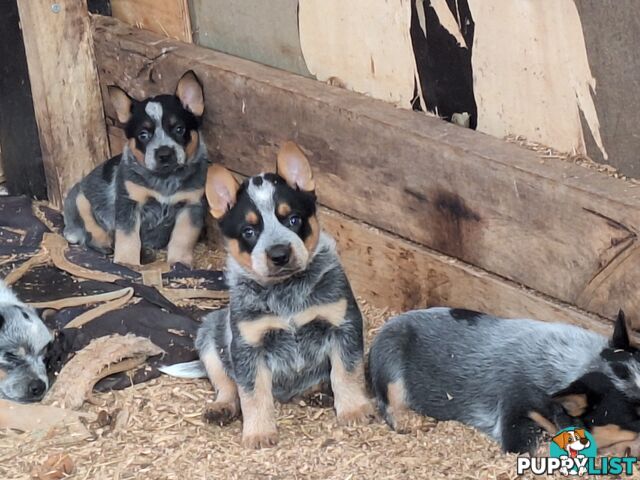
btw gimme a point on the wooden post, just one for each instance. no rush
(66, 90)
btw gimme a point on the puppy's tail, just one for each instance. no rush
(193, 369)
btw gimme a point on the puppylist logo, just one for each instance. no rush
(573, 451)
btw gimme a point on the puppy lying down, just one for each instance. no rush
(508, 378)
(24, 340)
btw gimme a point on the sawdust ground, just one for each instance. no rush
(163, 437)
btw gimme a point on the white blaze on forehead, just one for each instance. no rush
(262, 195)
(154, 110)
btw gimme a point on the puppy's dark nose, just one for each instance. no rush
(166, 155)
(36, 389)
(584, 441)
(279, 255)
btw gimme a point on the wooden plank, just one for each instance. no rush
(565, 231)
(21, 155)
(66, 91)
(165, 17)
(391, 272)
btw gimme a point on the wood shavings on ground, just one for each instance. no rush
(548, 153)
(154, 431)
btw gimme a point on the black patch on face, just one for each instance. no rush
(234, 223)
(257, 181)
(177, 122)
(1, 321)
(621, 371)
(614, 355)
(301, 203)
(470, 316)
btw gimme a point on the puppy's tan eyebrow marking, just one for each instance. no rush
(284, 209)
(251, 217)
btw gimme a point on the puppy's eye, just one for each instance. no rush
(179, 130)
(144, 135)
(248, 233)
(293, 221)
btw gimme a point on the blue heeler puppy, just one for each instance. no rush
(292, 322)
(150, 196)
(24, 340)
(507, 378)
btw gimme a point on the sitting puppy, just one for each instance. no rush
(506, 377)
(24, 340)
(292, 322)
(151, 195)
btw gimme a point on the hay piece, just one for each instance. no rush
(102, 357)
(54, 467)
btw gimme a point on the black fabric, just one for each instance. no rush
(170, 327)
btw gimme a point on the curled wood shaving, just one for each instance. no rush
(178, 294)
(97, 360)
(86, 317)
(81, 300)
(56, 245)
(40, 258)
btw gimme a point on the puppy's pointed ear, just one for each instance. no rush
(573, 399)
(121, 102)
(221, 190)
(294, 167)
(620, 339)
(190, 93)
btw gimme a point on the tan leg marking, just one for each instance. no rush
(259, 428)
(3, 374)
(403, 419)
(311, 242)
(333, 313)
(99, 236)
(227, 405)
(253, 330)
(350, 401)
(543, 422)
(128, 246)
(183, 239)
(608, 435)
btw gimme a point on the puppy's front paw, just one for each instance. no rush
(220, 413)
(360, 415)
(256, 441)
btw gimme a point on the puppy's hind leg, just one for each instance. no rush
(74, 231)
(398, 413)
